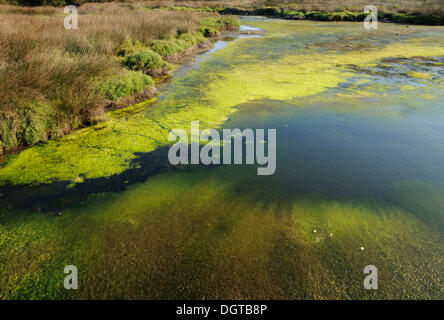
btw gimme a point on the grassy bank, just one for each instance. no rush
(408, 12)
(53, 80)
(342, 15)
(422, 12)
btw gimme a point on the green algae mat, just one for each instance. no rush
(359, 181)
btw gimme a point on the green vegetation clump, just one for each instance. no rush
(413, 18)
(26, 126)
(132, 50)
(51, 84)
(167, 48)
(130, 47)
(228, 23)
(419, 75)
(192, 39)
(270, 11)
(209, 32)
(146, 61)
(124, 85)
(210, 27)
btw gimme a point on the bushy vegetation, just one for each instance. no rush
(192, 39)
(169, 47)
(146, 61)
(54, 80)
(123, 85)
(28, 124)
(210, 27)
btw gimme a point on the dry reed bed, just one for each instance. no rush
(48, 75)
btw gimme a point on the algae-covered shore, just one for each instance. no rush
(211, 93)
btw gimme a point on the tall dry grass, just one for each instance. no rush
(48, 74)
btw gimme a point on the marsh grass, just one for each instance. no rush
(50, 78)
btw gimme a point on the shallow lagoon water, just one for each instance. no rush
(360, 147)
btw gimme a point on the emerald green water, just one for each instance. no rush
(360, 152)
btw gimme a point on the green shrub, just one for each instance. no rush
(146, 61)
(200, 39)
(129, 47)
(124, 85)
(209, 31)
(271, 11)
(27, 125)
(210, 27)
(228, 23)
(189, 39)
(168, 47)
(293, 14)
(193, 39)
(219, 24)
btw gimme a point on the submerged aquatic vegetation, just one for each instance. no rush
(140, 244)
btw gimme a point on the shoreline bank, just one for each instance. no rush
(402, 17)
(121, 69)
(147, 98)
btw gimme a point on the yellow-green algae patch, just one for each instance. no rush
(419, 75)
(246, 69)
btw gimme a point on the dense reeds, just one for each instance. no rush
(54, 80)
